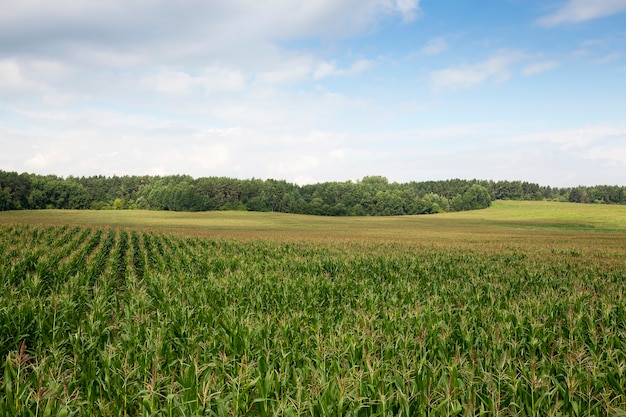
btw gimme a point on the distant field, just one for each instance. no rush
(519, 309)
(552, 215)
(502, 215)
(506, 223)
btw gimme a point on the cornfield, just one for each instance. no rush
(109, 322)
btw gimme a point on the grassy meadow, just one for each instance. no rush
(518, 309)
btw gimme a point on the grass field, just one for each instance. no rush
(514, 310)
(504, 217)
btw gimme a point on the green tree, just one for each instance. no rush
(436, 203)
(118, 204)
(476, 197)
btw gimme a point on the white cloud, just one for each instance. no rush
(598, 51)
(588, 137)
(463, 131)
(212, 156)
(127, 27)
(294, 67)
(50, 156)
(496, 68)
(12, 77)
(482, 150)
(292, 166)
(574, 11)
(284, 67)
(590, 155)
(608, 58)
(176, 82)
(231, 132)
(580, 53)
(435, 46)
(211, 79)
(329, 69)
(126, 53)
(578, 138)
(408, 8)
(305, 179)
(39, 162)
(325, 69)
(539, 67)
(254, 89)
(594, 43)
(610, 154)
(339, 154)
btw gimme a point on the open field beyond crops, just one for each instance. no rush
(518, 309)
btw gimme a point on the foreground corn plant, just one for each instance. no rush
(117, 322)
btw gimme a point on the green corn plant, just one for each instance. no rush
(142, 323)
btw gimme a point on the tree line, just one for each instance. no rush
(372, 195)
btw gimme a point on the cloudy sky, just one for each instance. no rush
(316, 90)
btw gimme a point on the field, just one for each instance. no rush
(514, 310)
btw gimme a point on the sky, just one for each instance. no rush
(316, 90)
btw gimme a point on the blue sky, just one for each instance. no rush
(311, 91)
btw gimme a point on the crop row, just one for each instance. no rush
(123, 322)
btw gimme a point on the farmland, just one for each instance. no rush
(514, 310)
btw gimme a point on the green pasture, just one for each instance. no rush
(551, 215)
(502, 218)
(516, 225)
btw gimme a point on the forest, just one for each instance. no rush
(372, 195)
